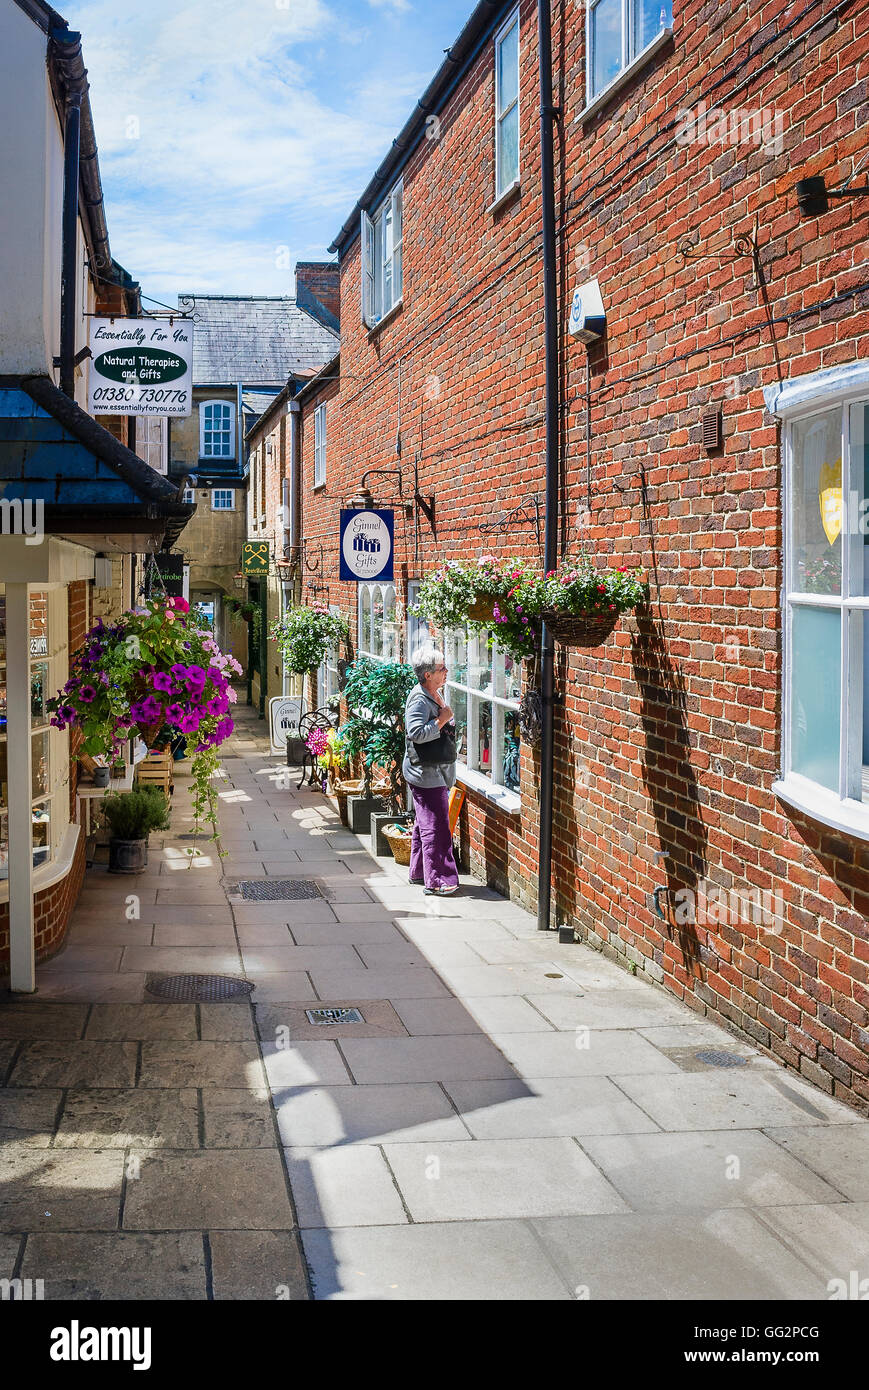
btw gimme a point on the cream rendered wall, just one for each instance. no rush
(26, 140)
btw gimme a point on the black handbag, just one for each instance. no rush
(439, 750)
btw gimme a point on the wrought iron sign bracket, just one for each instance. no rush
(743, 244)
(526, 513)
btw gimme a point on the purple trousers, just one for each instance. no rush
(431, 846)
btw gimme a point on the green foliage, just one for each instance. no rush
(304, 635)
(133, 815)
(376, 692)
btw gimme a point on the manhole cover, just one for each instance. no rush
(267, 890)
(188, 989)
(334, 1016)
(714, 1058)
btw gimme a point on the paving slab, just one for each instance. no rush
(85, 1064)
(487, 1179)
(225, 1064)
(465, 1261)
(229, 1021)
(160, 1021)
(83, 987)
(35, 1019)
(839, 1154)
(376, 1060)
(283, 986)
(345, 1186)
(831, 1240)
(415, 982)
(533, 1108)
(491, 1013)
(325, 1116)
(238, 1119)
(601, 1052)
(720, 1256)
(303, 1064)
(342, 933)
(124, 1265)
(183, 960)
(48, 1190)
(220, 934)
(29, 1115)
(9, 1249)
(279, 1023)
(522, 979)
(219, 1189)
(261, 1265)
(743, 1100)
(677, 1172)
(119, 1119)
(609, 1008)
(272, 960)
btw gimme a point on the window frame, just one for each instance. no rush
(225, 491)
(188, 495)
(631, 58)
(491, 783)
(320, 445)
(373, 311)
(500, 116)
(204, 408)
(363, 646)
(836, 809)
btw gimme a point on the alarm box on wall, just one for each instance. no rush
(587, 317)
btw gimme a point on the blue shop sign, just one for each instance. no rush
(366, 545)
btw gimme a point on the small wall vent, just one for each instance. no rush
(711, 422)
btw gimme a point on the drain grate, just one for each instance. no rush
(270, 890)
(714, 1058)
(193, 989)
(334, 1016)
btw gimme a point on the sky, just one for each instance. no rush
(235, 136)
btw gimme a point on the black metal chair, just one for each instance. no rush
(314, 719)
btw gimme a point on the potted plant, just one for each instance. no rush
(582, 603)
(305, 634)
(131, 816)
(156, 665)
(376, 692)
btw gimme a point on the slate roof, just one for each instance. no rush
(257, 340)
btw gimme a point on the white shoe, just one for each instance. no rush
(441, 892)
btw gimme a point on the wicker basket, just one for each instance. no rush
(581, 629)
(348, 787)
(398, 843)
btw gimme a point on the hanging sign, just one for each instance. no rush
(830, 499)
(255, 558)
(167, 569)
(141, 367)
(366, 544)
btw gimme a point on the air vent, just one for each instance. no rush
(711, 422)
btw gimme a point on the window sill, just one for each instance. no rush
(850, 817)
(625, 75)
(506, 197)
(505, 800)
(56, 869)
(374, 328)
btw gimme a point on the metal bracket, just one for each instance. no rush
(743, 244)
(527, 512)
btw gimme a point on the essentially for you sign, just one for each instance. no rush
(366, 544)
(141, 367)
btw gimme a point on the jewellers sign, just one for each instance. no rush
(141, 367)
(366, 545)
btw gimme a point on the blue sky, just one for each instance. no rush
(234, 138)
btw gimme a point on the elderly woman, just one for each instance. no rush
(429, 769)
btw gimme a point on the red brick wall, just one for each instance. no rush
(321, 279)
(667, 737)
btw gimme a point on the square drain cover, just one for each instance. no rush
(327, 1016)
(270, 890)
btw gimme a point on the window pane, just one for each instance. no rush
(508, 149)
(39, 764)
(511, 750)
(4, 848)
(38, 692)
(4, 786)
(41, 834)
(396, 275)
(479, 663)
(456, 650)
(857, 512)
(816, 504)
(377, 621)
(390, 631)
(508, 68)
(605, 26)
(484, 736)
(458, 703)
(816, 680)
(650, 17)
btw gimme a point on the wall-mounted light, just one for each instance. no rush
(813, 195)
(364, 499)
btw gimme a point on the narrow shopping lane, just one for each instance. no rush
(512, 1118)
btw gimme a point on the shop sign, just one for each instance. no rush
(366, 545)
(255, 558)
(284, 715)
(141, 367)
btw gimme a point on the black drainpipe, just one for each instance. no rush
(71, 149)
(548, 116)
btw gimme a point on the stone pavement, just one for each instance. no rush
(514, 1119)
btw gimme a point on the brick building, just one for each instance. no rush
(711, 757)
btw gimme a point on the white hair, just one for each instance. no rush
(425, 658)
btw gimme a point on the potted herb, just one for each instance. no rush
(156, 665)
(305, 634)
(376, 692)
(131, 816)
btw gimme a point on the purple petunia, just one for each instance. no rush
(162, 681)
(151, 710)
(175, 713)
(218, 706)
(179, 671)
(189, 724)
(223, 730)
(87, 694)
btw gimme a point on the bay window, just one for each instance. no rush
(825, 738)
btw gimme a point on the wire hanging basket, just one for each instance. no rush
(581, 629)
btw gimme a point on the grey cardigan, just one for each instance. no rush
(421, 726)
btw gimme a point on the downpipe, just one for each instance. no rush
(69, 238)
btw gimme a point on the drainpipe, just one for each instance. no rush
(71, 146)
(295, 483)
(548, 115)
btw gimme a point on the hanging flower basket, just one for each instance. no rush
(482, 610)
(581, 629)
